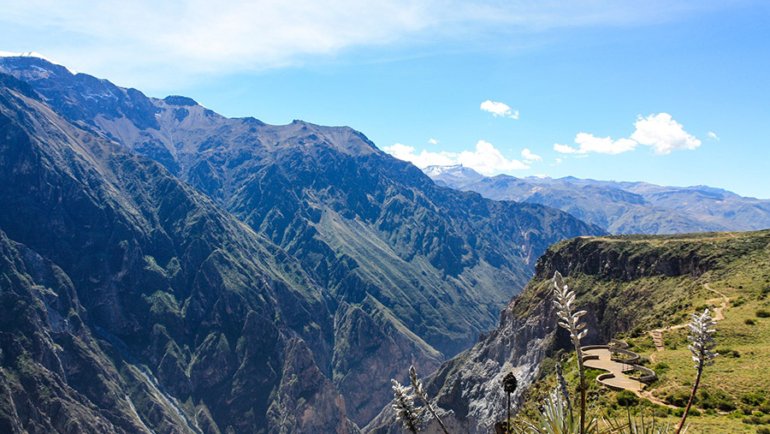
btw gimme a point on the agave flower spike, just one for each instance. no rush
(406, 411)
(569, 319)
(702, 330)
(419, 391)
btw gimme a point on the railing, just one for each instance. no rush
(619, 347)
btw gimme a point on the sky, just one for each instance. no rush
(668, 92)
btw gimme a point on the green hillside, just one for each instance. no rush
(633, 285)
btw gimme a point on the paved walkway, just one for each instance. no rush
(605, 363)
(619, 380)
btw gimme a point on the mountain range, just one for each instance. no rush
(619, 207)
(168, 269)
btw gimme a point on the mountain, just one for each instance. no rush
(630, 285)
(620, 207)
(359, 261)
(453, 176)
(131, 303)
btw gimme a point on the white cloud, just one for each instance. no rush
(424, 158)
(528, 155)
(663, 134)
(659, 131)
(488, 160)
(433, 141)
(588, 143)
(173, 40)
(713, 136)
(485, 158)
(499, 109)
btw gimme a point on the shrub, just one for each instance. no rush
(661, 412)
(757, 420)
(678, 398)
(716, 399)
(626, 398)
(750, 321)
(763, 431)
(761, 313)
(753, 398)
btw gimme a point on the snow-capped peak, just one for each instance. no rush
(439, 170)
(33, 54)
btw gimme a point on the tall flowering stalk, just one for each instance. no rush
(406, 411)
(419, 390)
(569, 319)
(701, 345)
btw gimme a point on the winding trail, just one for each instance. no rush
(719, 315)
(600, 357)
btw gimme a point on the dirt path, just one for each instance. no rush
(719, 315)
(658, 341)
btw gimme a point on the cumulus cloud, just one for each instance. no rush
(663, 134)
(713, 136)
(528, 155)
(422, 159)
(588, 143)
(488, 160)
(659, 131)
(499, 109)
(433, 141)
(484, 158)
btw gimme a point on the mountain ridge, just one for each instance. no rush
(621, 207)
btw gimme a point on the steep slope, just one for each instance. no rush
(621, 207)
(415, 272)
(130, 303)
(628, 285)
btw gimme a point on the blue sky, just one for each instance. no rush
(669, 92)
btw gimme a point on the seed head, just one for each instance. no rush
(702, 339)
(569, 319)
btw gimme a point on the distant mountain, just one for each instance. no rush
(620, 207)
(628, 285)
(359, 261)
(453, 176)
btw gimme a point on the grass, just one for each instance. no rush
(734, 396)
